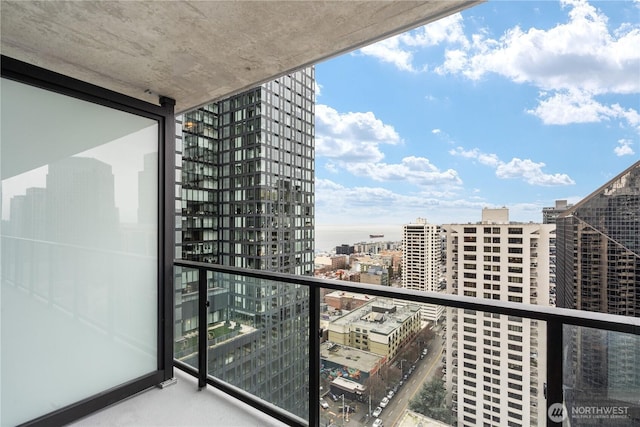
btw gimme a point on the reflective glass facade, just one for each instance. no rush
(247, 200)
(598, 269)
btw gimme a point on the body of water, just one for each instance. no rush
(330, 236)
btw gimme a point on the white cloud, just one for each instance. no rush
(485, 159)
(318, 89)
(579, 54)
(352, 141)
(352, 137)
(624, 148)
(416, 170)
(389, 50)
(561, 108)
(525, 169)
(531, 172)
(399, 50)
(449, 30)
(573, 63)
(436, 131)
(337, 203)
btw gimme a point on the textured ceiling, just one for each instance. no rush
(198, 51)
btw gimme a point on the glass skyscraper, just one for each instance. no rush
(247, 200)
(598, 269)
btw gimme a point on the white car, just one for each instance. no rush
(377, 412)
(384, 402)
(390, 394)
(377, 423)
(324, 404)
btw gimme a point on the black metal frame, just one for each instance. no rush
(555, 318)
(164, 114)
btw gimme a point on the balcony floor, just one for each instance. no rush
(180, 404)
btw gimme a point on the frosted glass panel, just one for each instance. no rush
(79, 250)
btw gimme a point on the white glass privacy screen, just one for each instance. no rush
(79, 250)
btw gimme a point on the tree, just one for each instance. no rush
(375, 387)
(431, 401)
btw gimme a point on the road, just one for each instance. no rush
(426, 369)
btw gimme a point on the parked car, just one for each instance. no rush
(377, 423)
(390, 394)
(384, 402)
(333, 397)
(324, 404)
(377, 412)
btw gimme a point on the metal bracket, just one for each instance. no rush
(167, 383)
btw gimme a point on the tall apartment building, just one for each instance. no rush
(598, 269)
(247, 200)
(422, 263)
(493, 373)
(550, 213)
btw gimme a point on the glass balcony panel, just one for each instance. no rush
(258, 338)
(186, 316)
(601, 376)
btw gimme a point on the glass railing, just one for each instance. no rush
(323, 352)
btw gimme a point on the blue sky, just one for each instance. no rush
(512, 104)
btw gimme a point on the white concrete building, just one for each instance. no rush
(493, 373)
(422, 263)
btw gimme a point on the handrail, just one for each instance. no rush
(554, 317)
(589, 319)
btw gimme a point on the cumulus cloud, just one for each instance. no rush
(525, 169)
(575, 106)
(416, 170)
(436, 131)
(381, 204)
(399, 50)
(352, 142)
(572, 63)
(353, 137)
(579, 54)
(317, 89)
(531, 172)
(389, 50)
(624, 148)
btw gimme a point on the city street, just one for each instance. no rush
(426, 369)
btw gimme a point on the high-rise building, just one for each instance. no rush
(550, 213)
(422, 263)
(598, 269)
(247, 201)
(493, 370)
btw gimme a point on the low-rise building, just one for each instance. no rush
(379, 327)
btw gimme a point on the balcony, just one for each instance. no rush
(554, 320)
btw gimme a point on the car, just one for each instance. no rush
(377, 423)
(384, 402)
(395, 388)
(390, 394)
(347, 408)
(333, 397)
(324, 404)
(377, 412)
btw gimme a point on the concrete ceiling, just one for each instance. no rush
(198, 51)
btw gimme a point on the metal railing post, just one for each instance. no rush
(203, 337)
(314, 356)
(556, 411)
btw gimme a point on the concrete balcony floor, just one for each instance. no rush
(180, 404)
